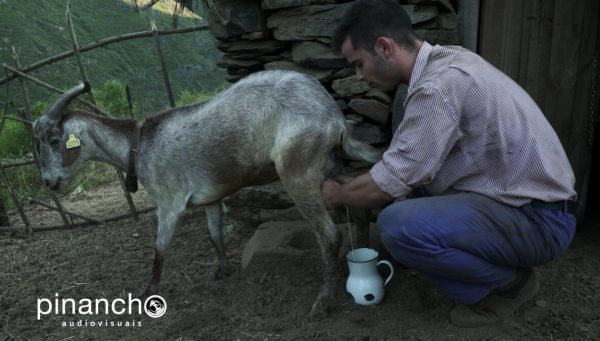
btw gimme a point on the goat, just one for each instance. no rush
(269, 125)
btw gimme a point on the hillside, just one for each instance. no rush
(39, 31)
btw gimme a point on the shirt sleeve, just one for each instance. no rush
(428, 132)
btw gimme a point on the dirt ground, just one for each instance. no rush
(113, 260)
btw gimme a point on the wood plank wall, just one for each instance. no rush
(548, 47)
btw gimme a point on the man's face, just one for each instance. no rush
(373, 69)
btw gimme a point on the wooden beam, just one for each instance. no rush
(583, 113)
(535, 47)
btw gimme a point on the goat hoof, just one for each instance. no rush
(223, 273)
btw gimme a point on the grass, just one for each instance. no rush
(38, 30)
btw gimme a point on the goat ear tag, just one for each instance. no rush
(73, 142)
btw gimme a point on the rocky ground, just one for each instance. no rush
(268, 300)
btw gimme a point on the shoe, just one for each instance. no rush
(497, 305)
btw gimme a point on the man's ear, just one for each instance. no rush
(384, 47)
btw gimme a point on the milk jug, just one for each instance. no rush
(364, 282)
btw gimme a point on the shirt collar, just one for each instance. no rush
(420, 63)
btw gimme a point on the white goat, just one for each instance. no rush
(270, 124)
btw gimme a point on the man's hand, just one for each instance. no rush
(330, 189)
(344, 179)
(361, 191)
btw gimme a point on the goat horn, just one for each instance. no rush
(55, 112)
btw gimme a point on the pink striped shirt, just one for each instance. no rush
(469, 127)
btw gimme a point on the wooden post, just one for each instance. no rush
(163, 65)
(84, 77)
(28, 117)
(15, 199)
(129, 102)
(130, 203)
(5, 113)
(76, 52)
(3, 216)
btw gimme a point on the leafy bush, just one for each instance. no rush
(189, 97)
(26, 181)
(14, 140)
(38, 108)
(112, 97)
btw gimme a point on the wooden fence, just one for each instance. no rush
(551, 48)
(19, 73)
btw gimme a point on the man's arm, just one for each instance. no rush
(361, 191)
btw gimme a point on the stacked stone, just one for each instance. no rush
(259, 35)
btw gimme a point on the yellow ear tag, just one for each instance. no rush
(73, 142)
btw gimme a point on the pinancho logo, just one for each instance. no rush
(101, 312)
(155, 306)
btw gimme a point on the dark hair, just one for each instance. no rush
(367, 20)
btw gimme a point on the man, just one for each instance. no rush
(500, 188)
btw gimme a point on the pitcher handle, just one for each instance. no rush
(391, 270)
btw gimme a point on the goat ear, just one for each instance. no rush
(54, 113)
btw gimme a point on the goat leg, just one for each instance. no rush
(154, 283)
(167, 219)
(213, 215)
(331, 276)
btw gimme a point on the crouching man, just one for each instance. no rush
(499, 190)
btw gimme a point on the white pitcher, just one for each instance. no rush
(364, 282)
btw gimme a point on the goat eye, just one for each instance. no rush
(54, 142)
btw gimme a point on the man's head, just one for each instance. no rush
(376, 36)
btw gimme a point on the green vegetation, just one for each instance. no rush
(39, 31)
(14, 140)
(112, 97)
(189, 97)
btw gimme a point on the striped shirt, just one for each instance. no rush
(469, 127)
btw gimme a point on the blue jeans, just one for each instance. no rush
(469, 244)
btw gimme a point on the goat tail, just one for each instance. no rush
(359, 151)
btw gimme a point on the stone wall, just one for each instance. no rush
(259, 35)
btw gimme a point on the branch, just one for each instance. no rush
(103, 42)
(17, 163)
(16, 119)
(31, 200)
(80, 224)
(150, 4)
(53, 88)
